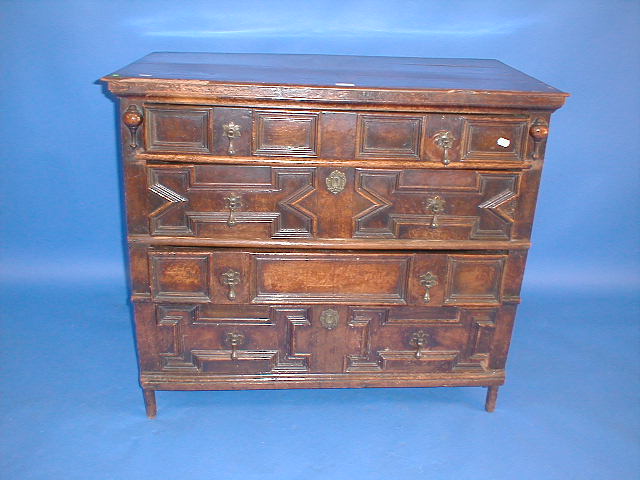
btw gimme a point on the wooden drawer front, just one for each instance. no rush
(261, 203)
(233, 277)
(329, 338)
(244, 132)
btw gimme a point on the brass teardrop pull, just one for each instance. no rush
(428, 281)
(234, 340)
(435, 205)
(234, 203)
(231, 278)
(444, 139)
(231, 131)
(419, 340)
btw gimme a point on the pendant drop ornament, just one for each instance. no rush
(132, 118)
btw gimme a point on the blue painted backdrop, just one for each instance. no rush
(70, 407)
(61, 216)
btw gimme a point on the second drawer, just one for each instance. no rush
(262, 203)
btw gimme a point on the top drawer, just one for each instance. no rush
(435, 139)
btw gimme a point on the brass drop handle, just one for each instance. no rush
(231, 278)
(428, 280)
(234, 340)
(435, 205)
(444, 139)
(539, 130)
(234, 203)
(231, 131)
(418, 340)
(132, 118)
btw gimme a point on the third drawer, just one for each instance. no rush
(233, 277)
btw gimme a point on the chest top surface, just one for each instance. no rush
(344, 75)
(336, 70)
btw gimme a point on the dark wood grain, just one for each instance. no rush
(299, 221)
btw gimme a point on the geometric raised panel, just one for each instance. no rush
(389, 136)
(183, 277)
(381, 345)
(188, 343)
(192, 201)
(277, 133)
(475, 280)
(473, 205)
(498, 212)
(178, 129)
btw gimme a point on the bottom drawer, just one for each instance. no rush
(197, 339)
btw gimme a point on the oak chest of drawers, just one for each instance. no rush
(301, 221)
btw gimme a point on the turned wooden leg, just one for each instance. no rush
(492, 396)
(150, 403)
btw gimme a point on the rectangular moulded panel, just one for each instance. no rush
(474, 279)
(175, 129)
(389, 136)
(307, 278)
(285, 133)
(493, 139)
(183, 276)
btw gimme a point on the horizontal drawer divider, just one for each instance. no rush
(334, 244)
(297, 161)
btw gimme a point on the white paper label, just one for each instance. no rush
(503, 142)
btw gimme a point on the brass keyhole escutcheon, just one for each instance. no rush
(336, 181)
(329, 319)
